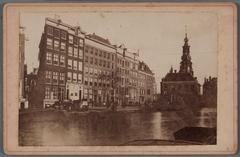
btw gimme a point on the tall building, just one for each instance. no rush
(60, 72)
(99, 66)
(147, 88)
(127, 71)
(182, 82)
(131, 77)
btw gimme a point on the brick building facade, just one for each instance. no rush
(99, 66)
(74, 65)
(60, 72)
(147, 90)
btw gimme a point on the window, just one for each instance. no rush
(56, 45)
(96, 52)
(108, 64)
(90, 81)
(69, 64)
(95, 71)
(100, 53)
(70, 39)
(75, 41)
(49, 43)
(80, 66)
(148, 92)
(63, 47)
(69, 76)
(90, 91)
(91, 50)
(49, 58)
(104, 54)
(131, 66)
(75, 52)
(85, 92)
(86, 49)
(86, 70)
(86, 81)
(81, 42)
(61, 78)
(86, 59)
(91, 70)
(104, 63)
(80, 55)
(56, 33)
(95, 82)
(112, 56)
(48, 76)
(55, 92)
(108, 55)
(63, 35)
(100, 62)
(61, 93)
(70, 50)
(74, 77)
(49, 30)
(91, 60)
(55, 77)
(62, 61)
(47, 92)
(55, 59)
(96, 61)
(80, 78)
(74, 65)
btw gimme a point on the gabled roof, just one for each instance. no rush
(144, 67)
(101, 39)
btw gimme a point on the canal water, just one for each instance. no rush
(55, 128)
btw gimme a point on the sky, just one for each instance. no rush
(159, 36)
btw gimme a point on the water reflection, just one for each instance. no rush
(207, 117)
(97, 128)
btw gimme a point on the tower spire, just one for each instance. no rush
(186, 64)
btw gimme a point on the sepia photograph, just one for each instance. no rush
(121, 76)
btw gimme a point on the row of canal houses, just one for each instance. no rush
(74, 65)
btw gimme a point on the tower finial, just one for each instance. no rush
(186, 38)
(185, 30)
(171, 69)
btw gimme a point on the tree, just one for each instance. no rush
(114, 79)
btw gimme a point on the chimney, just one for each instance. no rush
(124, 51)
